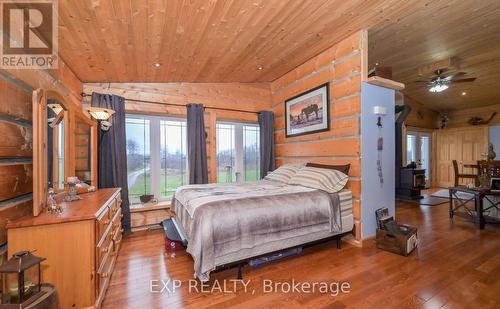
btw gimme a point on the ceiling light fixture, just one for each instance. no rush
(464, 93)
(260, 68)
(157, 65)
(438, 88)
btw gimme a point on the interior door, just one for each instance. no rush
(462, 144)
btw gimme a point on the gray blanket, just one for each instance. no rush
(225, 218)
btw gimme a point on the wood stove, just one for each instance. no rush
(411, 182)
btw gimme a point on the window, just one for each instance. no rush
(238, 154)
(173, 156)
(156, 156)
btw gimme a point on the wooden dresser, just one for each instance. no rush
(81, 246)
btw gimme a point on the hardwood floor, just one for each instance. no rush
(455, 266)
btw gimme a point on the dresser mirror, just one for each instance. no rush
(56, 144)
(51, 138)
(85, 147)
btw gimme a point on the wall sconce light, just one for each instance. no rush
(55, 107)
(379, 111)
(101, 115)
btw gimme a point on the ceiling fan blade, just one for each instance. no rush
(452, 76)
(465, 80)
(438, 72)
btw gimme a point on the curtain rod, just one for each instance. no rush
(83, 94)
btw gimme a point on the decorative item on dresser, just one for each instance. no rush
(80, 245)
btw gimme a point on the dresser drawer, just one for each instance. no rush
(102, 223)
(103, 277)
(114, 206)
(117, 218)
(104, 247)
(117, 239)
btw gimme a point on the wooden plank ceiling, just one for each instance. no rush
(207, 41)
(466, 29)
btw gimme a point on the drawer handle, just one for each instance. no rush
(113, 209)
(104, 275)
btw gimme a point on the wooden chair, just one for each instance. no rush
(459, 175)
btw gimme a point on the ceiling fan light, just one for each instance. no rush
(438, 88)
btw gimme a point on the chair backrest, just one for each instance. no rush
(455, 167)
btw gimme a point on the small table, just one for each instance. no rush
(478, 195)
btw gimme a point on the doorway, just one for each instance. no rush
(418, 150)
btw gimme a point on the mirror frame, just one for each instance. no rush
(74, 115)
(39, 134)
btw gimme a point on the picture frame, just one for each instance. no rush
(308, 112)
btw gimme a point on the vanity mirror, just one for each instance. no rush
(85, 148)
(51, 127)
(56, 144)
(64, 145)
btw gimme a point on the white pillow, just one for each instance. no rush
(284, 172)
(328, 180)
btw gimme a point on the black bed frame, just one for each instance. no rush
(175, 233)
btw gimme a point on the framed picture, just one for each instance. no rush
(308, 112)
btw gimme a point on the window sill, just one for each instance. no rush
(149, 206)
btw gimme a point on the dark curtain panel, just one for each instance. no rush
(112, 153)
(196, 144)
(266, 124)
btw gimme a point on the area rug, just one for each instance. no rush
(427, 201)
(433, 201)
(444, 193)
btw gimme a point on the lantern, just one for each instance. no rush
(21, 279)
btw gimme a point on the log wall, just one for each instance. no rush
(343, 67)
(16, 169)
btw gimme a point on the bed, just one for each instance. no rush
(225, 224)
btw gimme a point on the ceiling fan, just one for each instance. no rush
(440, 82)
